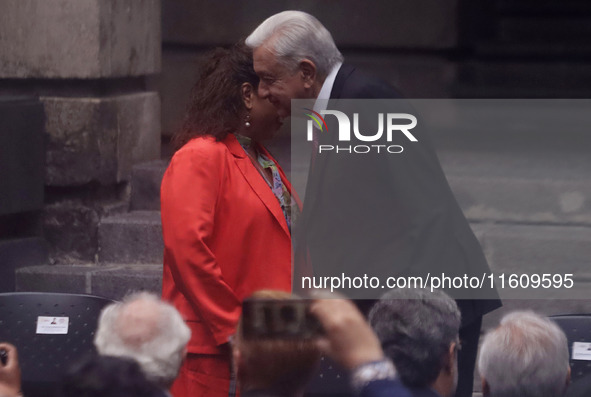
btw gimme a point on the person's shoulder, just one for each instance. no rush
(199, 152)
(201, 147)
(354, 83)
(385, 387)
(202, 143)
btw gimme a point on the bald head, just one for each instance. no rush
(139, 322)
(150, 331)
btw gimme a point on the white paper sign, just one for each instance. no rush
(582, 351)
(52, 325)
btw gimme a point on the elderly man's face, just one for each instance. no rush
(277, 83)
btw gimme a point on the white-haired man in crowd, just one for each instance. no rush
(148, 330)
(526, 356)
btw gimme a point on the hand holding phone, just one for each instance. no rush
(349, 339)
(279, 319)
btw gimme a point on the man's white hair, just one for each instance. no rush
(292, 36)
(527, 355)
(148, 330)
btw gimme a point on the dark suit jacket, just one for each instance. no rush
(394, 388)
(389, 214)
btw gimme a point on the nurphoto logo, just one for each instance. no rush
(395, 123)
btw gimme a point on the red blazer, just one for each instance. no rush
(225, 237)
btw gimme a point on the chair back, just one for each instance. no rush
(577, 328)
(51, 332)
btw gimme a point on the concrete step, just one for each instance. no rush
(539, 188)
(112, 281)
(553, 250)
(134, 237)
(510, 249)
(145, 185)
(514, 248)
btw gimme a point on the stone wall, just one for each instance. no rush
(90, 63)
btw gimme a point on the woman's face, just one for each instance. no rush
(265, 122)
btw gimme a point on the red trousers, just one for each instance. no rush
(203, 375)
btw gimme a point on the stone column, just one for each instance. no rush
(89, 62)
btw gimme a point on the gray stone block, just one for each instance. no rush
(70, 228)
(79, 38)
(67, 279)
(110, 281)
(99, 139)
(145, 185)
(118, 281)
(385, 23)
(131, 238)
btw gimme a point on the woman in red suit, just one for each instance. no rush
(227, 210)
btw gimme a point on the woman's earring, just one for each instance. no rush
(247, 120)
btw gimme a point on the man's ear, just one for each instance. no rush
(247, 91)
(451, 358)
(308, 72)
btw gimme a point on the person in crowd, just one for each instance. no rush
(350, 341)
(418, 330)
(10, 372)
(375, 214)
(147, 330)
(227, 211)
(273, 367)
(105, 376)
(525, 356)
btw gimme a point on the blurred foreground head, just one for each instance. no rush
(148, 330)
(103, 376)
(525, 356)
(419, 331)
(278, 366)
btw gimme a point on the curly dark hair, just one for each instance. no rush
(216, 105)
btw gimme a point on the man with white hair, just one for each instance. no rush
(370, 214)
(525, 356)
(148, 330)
